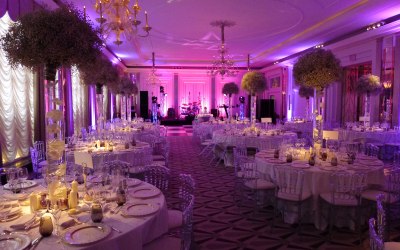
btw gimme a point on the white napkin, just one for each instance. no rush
(23, 221)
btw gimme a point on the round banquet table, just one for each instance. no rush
(135, 231)
(139, 155)
(317, 179)
(390, 136)
(264, 141)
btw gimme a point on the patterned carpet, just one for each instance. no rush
(219, 223)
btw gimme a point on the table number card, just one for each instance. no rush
(84, 159)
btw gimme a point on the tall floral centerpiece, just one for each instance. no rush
(51, 39)
(253, 82)
(125, 88)
(229, 89)
(101, 73)
(306, 92)
(317, 69)
(368, 85)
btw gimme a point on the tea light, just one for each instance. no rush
(96, 212)
(46, 225)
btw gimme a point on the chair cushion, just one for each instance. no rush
(351, 201)
(164, 242)
(293, 197)
(371, 195)
(174, 219)
(259, 184)
(391, 246)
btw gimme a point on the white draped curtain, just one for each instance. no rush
(79, 96)
(16, 106)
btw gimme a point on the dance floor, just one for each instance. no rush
(220, 224)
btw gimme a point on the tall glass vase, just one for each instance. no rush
(318, 119)
(55, 138)
(99, 109)
(367, 114)
(253, 110)
(128, 108)
(230, 108)
(123, 107)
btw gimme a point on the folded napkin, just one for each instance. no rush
(68, 223)
(23, 221)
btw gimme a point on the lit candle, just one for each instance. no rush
(84, 12)
(147, 21)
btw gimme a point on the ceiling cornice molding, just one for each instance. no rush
(354, 33)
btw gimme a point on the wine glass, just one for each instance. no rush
(23, 175)
(56, 212)
(13, 181)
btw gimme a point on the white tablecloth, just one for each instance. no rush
(317, 181)
(383, 137)
(261, 142)
(136, 231)
(139, 155)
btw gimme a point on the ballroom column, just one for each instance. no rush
(396, 83)
(213, 100)
(176, 94)
(376, 70)
(92, 105)
(39, 106)
(68, 101)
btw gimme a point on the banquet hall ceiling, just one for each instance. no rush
(266, 29)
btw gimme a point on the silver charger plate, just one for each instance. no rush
(86, 234)
(14, 241)
(24, 184)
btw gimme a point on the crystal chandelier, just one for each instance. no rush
(223, 63)
(153, 76)
(118, 17)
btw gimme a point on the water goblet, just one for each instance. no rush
(13, 180)
(23, 175)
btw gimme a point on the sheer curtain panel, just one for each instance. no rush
(16, 106)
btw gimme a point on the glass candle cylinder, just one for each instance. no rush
(46, 225)
(96, 212)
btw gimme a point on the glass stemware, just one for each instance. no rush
(13, 180)
(56, 212)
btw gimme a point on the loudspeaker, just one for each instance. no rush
(266, 109)
(144, 104)
(214, 112)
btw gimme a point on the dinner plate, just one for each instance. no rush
(145, 192)
(132, 182)
(359, 167)
(10, 211)
(24, 184)
(276, 161)
(86, 234)
(139, 209)
(14, 241)
(23, 221)
(300, 165)
(14, 197)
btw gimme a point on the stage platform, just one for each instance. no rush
(175, 122)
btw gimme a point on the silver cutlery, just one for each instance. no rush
(35, 242)
(115, 229)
